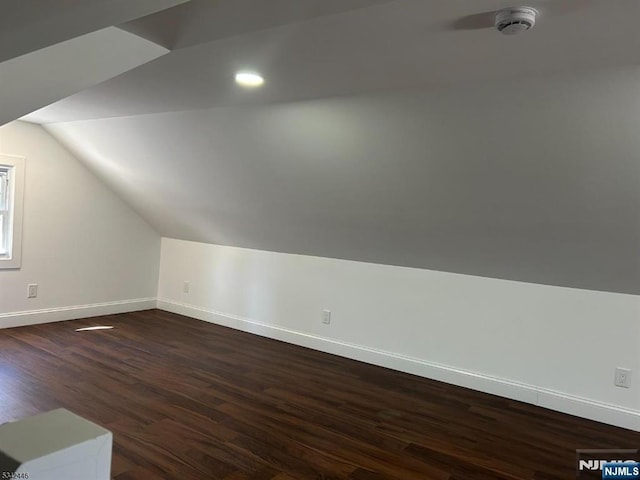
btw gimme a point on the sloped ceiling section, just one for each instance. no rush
(388, 46)
(29, 25)
(203, 21)
(37, 79)
(50, 50)
(540, 187)
(396, 133)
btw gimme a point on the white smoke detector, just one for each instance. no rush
(511, 21)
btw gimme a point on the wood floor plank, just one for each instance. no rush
(191, 400)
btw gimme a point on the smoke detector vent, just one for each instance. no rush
(512, 21)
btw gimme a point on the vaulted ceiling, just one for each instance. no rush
(405, 132)
(52, 49)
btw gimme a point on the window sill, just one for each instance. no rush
(9, 263)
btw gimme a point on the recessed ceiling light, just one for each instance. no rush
(249, 79)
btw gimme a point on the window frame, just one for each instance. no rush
(16, 165)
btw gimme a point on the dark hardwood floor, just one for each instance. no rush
(190, 400)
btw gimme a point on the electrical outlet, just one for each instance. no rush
(186, 286)
(623, 377)
(326, 317)
(32, 290)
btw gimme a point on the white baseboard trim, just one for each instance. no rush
(58, 314)
(553, 400)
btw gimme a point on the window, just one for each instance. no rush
(11, 193)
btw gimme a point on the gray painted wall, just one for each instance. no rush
(534, 181)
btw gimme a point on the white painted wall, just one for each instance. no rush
(87, 250)
(553, 346)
